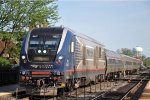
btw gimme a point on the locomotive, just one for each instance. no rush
(59, 55)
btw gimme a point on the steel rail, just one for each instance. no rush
(137, 85)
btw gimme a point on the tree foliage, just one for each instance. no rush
(126, 51)
(4, 64)
(131, 53)
(146, 61)
(18, 15)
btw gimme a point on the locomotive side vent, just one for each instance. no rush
(78, 54)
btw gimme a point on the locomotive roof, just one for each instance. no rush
(84, 36)
(47, 30)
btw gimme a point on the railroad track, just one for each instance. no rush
(134, 93)
(131, 91)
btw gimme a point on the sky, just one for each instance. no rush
(115, 23)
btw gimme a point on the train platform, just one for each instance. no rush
(146, 92)
(7, 90)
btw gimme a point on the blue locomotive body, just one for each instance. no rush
(44, 53)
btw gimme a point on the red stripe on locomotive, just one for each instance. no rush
(40, 73)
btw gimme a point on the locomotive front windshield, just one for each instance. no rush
(44, 41)
(43, 47)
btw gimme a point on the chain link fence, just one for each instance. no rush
(9, 76)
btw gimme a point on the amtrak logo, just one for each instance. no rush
(34, 66)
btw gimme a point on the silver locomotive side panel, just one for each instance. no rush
(90, 58)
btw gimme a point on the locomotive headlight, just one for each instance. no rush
(39, 51)
(60, 57)
(44, 51)
(23, 57)
(23, 72)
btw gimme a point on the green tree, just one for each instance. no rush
(143, 57)
(4, 64)
(125, 51)
(146, 61)
(18, 15)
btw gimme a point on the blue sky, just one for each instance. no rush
(116, 24)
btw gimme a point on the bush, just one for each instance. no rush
(146, 61)
(4, 64)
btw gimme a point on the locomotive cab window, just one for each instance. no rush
(35, 40)
(46, 41)
(52, 41)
